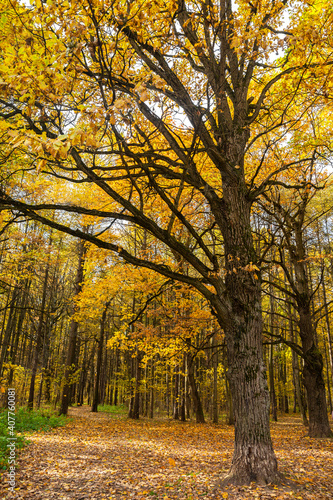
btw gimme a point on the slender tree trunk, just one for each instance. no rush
(99, 360)
(329, 338)
(271, 384)
(182, 408)
(70, 360)
(152, 382)
(134, 411)
(271, 354)
(199, 414)
(115, 393)
(295, 367)
(83, 376)
(328, 380)
(215, 394)
(9, 326)
(176, 394)
(167, 394)
(39, 338)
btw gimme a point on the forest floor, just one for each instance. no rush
(103, 457)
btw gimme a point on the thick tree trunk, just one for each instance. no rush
(254, 458)
(313, 362)
(313, 379)
(296, 375)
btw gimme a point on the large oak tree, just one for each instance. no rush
(162, 105)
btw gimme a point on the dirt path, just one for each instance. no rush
(104, 457)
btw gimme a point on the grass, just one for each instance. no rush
(116, 410)
(25, 421)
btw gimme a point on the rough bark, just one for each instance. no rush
(254, 458)
(313, 362)
(313, 379)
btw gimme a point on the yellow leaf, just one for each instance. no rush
(40, 165)
(172, 462)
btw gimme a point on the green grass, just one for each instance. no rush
(116, 410)
(25, 421)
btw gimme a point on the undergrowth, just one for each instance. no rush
(118, 410)
(25, 421)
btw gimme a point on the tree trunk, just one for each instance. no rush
(329, 340)
(70, 360)
(215, 418)
(152, 382)
(254, 458)
(199, 414)
(39, 339)
(293, 229)
(271, 354)
(9, 326)
(313, 379)
(176, 394)
(313, 361)
(271, 384)
(182, 408)
(99, 360)
(115, 393)
(134, 410)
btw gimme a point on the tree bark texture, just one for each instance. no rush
(254, 458)
(313, 361)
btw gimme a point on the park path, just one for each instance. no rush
(103, 457)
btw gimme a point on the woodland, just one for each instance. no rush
(166, 216)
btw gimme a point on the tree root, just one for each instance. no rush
(280, 481)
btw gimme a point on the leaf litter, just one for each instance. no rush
(102, 457)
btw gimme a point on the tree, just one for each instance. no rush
(292, 218)
(73, 333)
(155, 104)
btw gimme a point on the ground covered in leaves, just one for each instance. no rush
(104, 457)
